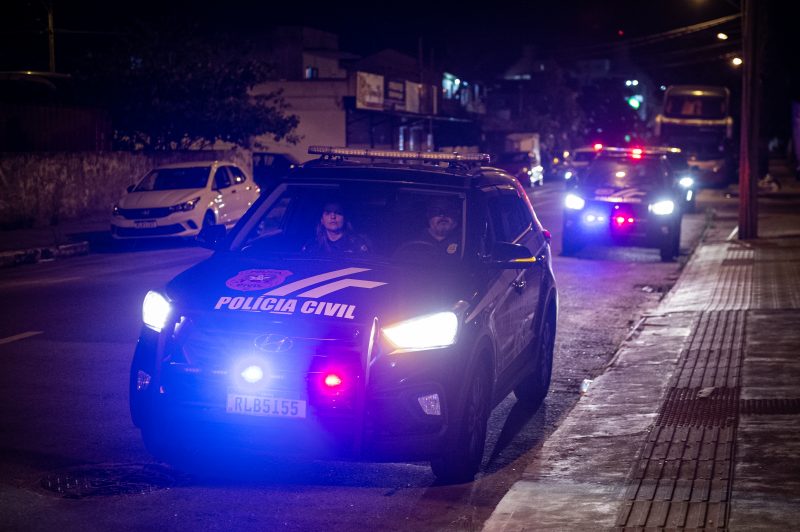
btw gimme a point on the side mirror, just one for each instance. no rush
(211, 236)
(512, 256)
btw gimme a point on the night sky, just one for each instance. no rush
(457, 36)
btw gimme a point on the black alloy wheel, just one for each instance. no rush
(533, 388)
(462, 458)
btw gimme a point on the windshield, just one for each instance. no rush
(686, 106)
(623, 173)
(174, 179)
(373, 221)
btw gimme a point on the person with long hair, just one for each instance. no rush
(335, 234)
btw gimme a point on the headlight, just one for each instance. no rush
(574, 202)
(567, 175)
(686, 182)
(155, 310)
(662, 208)
(425, 332)
(185, 206)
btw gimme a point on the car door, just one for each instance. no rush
(518, 291)
(226, 198)
(245, 189)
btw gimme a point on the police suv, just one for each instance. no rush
(395, 349)
(625, 197)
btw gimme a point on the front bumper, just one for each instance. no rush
(377, 415)
(180, 224)
(614, 225)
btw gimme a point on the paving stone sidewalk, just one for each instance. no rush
(694, 425)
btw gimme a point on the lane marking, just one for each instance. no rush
(20, 336)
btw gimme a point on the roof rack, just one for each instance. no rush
(454, 158)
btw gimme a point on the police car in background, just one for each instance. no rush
(625, 198)
(395, 353)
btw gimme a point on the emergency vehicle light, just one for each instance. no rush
(597, 146)
(332, 380)
(155, 310)
(396, 154)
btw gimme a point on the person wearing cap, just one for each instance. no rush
(334, 233)
(443, 216)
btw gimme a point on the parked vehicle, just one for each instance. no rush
(178, 200)
(384, 343)
(697, 119)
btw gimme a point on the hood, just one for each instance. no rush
(230, 284)
(158, 198)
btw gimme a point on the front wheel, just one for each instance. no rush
(533, 388)
(570, 242)
(462, 458)
(671, 246)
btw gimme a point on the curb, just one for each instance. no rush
(44, 253)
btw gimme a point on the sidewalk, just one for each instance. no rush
(26, 246)
(694, 424)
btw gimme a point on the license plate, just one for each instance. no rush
(259, 405)
(150, 224)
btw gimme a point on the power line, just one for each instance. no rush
(603, 48)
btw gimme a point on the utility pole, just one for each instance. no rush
(750, 128)
(51, 35)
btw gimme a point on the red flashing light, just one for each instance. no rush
(636, 153)
(620, 220)
(332, 380)
(597, 146)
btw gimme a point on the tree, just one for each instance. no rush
(168, 89)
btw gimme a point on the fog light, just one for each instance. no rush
(252, 374)
(430, 404)
(142, 381)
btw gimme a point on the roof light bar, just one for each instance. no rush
(395, 154)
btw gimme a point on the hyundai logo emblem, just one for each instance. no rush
(273, 343)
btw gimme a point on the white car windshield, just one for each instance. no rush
(374, 221)
(174, 179)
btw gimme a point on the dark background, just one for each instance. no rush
(474, 40)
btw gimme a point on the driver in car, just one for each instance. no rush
(443, 215)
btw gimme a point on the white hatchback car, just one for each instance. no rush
(179, 199)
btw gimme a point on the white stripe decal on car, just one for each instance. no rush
(316, 279)
(341, 284)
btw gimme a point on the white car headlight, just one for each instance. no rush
(686, 182)
(568, 175)
(186, 205)
(662, 208)
(155, 310)
(574, 202)
(425, 332)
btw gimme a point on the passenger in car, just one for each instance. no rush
(335, 234)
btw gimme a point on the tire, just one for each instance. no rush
(467, 439)
(157, 443)
(570, 243)
(533, 388)
(671, 246)
(208, 219)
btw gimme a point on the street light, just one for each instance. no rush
(722, 36)
(737, 61)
